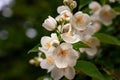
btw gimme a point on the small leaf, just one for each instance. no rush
(89, 69)
(83, 3)
(104, 38)
(79, 44)
(35, 49)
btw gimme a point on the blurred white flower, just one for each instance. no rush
(50, 23)
(65, 55)
(80, 21)
(68, 72)
(93, 43)
(106, 15)
(95, 7)
(49, 43)
(102, 14)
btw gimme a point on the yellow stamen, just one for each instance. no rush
(80, 19)
(105, 14)
(50, 60)
(63, 53)
(48, 45)
(69, 34)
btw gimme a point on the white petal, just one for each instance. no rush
(50, 23)
(72, 57)
(42, 49)
(66, 46)
(45, 42)
(80, 21)
(91, 52)
(62, 8)
(54, 36)
(70, 73)
(45, 65)
(94, 6)
(106, 15)
(57, 73)
(60, 61)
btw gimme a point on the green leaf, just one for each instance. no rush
(83, 3)
(107, 77)
(89, 69)
(35, 49)
(104, 38)
(117, 9)
(79, 44)
(103, 2)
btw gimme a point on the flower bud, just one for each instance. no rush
(50, 23)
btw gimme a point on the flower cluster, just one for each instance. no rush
(59, 55)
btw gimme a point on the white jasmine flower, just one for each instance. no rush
(103, 14)
(65, 55)
(68, 35)
(49, 43)
(48, 63)
(106, 15)
(68, 72)
(50, 23)
(89, 31)
(80, 21)
(95, 7)
(64, 15)
(93, 43)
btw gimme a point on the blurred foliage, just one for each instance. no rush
(14, 60)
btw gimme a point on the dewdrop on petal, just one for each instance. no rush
(50, 23)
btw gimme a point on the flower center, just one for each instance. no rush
(48, 45)
(63, 53)
(89, 42)
(105, 14)
(95, 9)
(65, 15)
(80, 19)
(50, 60)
